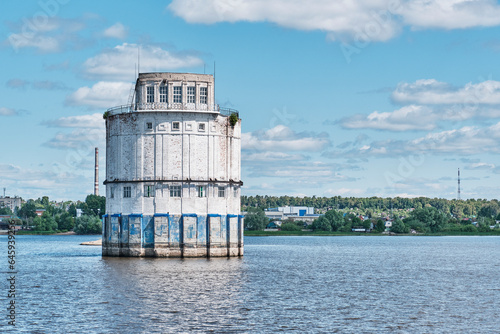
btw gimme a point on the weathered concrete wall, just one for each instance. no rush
(163, 149)
(165, 235)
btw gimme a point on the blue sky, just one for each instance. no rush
(354, 98)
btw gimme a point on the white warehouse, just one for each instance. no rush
(173, 173)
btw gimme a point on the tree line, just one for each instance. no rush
(64, 218)
(456, 208)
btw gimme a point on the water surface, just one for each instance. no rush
(282, 284)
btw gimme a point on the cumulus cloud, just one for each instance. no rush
(36, 183)
(407, 118)
(47, 34)
(94, 121)
(118, 62)
(78, 139)
(378, 20)
(17, 83)
(451, 14)
(117, 30)
(282, 139)
(103, 94)
(468, 140)
(8, 112)
(431, 91)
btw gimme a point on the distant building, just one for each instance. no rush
(295, 213)
(39, 212)
(10, 202)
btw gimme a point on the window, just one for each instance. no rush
(201, 127)
(222, 192)
(112, 192)
(191, 97)
(235, 191)
(127, 192)
(202, 192)
(149, 191)
(150, 94)
(203, 95)
(175, 191)
(176, 126)
(178, 94)
(149, 126)
(163, 94)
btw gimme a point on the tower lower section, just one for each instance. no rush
(177, 236)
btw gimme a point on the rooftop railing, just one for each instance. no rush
(159, 106)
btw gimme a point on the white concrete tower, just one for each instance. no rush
(173, 173)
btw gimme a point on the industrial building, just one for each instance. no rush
(173, 174)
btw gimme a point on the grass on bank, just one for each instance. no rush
(324, 233)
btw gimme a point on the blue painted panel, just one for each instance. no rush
(188, 228)
(302, 213)
(124, 230)
(174, 222)
(223, 229)
(115, 228)
(202, 228)
(134, 236)
(148, 235)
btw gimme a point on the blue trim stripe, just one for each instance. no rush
(116, 215)
(135, 215)
(241, 216)
(161, 215)
(232, 216)
(105, 215)
(213, 215)
(189, 215)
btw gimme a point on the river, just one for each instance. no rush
(372, 284)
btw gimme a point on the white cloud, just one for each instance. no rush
(80, 139)
(376, 20)
(282, 138)
(338, 19)
(94, 121)
(481, 165)
(8, 112)
(58, 184)
(17, 83)
(451, 14)
(431, 91)
(49, 35)
(101, 95)
(117, 30)
(119, 62)
(468, 140)
(410, 117)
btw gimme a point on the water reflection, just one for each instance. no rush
(167, 294)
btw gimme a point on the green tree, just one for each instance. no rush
(321, 224)
(96, 205)
(6, 211)
(88, 225)
(28, 210)
(255, 219)
(380, 227)
(290, 227)
(65, 221)
(399, 227)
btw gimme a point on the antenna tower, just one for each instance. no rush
(458, 196)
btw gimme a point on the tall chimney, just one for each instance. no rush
(96, 176)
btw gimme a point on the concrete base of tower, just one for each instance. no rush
(172, 236)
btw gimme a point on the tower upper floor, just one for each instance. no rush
(165, 91)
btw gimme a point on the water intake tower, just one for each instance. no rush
(173, 175)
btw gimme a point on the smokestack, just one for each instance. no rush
(96, 176)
